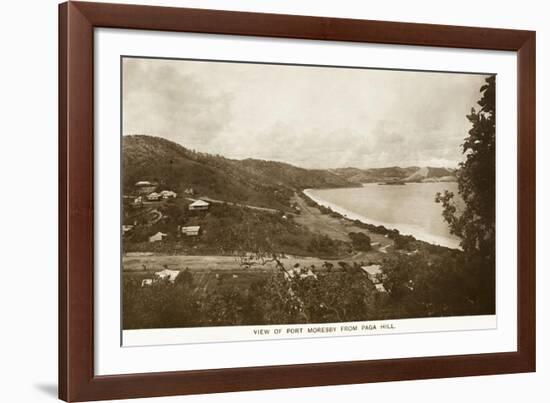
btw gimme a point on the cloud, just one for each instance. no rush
(161, 99)
(308, 116)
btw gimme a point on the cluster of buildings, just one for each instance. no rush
(298, 272)
(163, 195)
(373, 272)
(188, 231)
(147, 193)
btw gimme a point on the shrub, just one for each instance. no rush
(360, 241)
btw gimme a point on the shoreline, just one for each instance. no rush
(404, 229)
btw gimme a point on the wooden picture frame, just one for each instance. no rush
(77, 21)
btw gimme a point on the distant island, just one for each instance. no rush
(392, 183)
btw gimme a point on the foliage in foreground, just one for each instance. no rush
(475, 223)
(417, 286)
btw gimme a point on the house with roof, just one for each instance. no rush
(375, 275)
(154, 196)
(170, 275)
(144, 187)
(159, 236)
(199, 205)
(127, 227)
(192, 230)
(380, 287)
(373, 272)
(168, 194)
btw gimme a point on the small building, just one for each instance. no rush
(154, 196)
(380, 287)
(159, 236)
(199, 205)
(144, 187)
(373, 272)
(193, 230)
(375, 275)
(168, 194)
(189, 191)
(146, 281)
(167, 274)
(138, 201)
(127, 227)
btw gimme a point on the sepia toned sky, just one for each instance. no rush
(313, 117)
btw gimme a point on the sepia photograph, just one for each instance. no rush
(260, 194)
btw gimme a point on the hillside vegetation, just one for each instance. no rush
(250, 181)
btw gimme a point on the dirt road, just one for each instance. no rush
(210, 200)
(206, 263)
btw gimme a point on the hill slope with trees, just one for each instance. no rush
(262, 183)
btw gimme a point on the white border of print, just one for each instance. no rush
(144, 337)
(444, 339)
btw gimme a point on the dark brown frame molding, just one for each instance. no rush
(77, 21)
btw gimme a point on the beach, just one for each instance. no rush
(417, 230)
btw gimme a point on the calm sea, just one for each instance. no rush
(409, 208)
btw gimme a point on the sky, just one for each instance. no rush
(312, 117)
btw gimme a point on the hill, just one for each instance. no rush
(375, 174)
(430, 174)
(262, 183)
(408, 174)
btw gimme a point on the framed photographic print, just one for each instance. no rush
(254, 201)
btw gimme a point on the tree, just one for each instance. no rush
(403, 242)
(475, 222)
(360, 241)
